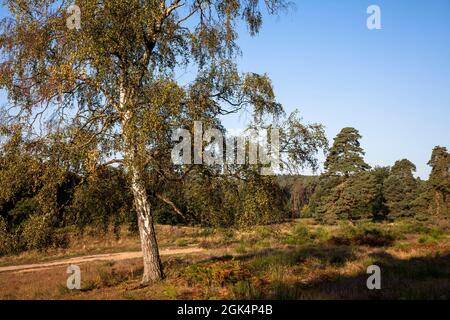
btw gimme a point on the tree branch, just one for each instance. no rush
(171, 204)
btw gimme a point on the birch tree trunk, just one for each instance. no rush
(153, 270)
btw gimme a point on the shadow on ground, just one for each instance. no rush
(415, 278)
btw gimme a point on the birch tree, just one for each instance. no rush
(114, 73)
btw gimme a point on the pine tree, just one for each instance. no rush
(346, 155)
(401, 189)
(439, 181)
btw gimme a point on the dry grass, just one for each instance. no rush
(297, 260)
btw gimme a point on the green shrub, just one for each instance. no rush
(299, 235)
(24, 208)
(6, 239)
(432, 235)
(365, 235)
(37, 233)
(321, 234)
(373, 237)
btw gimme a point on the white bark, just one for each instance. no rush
(153, 270)
(152, 263)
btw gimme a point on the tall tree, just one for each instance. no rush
(116, 78)
(352, 198)
(401, 189)
(346, 155)
(439, 181)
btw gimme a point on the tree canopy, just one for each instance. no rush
(401, 189)
(345, 157)
(110, 89)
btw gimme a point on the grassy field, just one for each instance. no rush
(295, 260)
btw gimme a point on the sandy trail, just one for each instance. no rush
(98, 257)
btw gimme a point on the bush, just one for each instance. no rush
(24, 208)
(373, 237)
(365, 235)
(432, 235)
(37, 233)
(6, 239)
(299, 235)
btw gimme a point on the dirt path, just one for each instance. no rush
(98, 257)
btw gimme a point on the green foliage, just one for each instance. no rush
(102, 200)
(346, 155)
(299, 235)
(5, 238)
(20, 176)
(352, 198)
(379, 208)
(365, 235)
(24, 208)
(401, 189)
(37, 233)
(262, 201)
(432, 235)
(439, 182)
(421, 205)
(209, 201)
(348, 192)
(242, 200)
(301, 188)
(355, 197)
(318, 202)
(440, 164)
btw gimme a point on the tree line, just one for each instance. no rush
(350, 189)
(49, 190)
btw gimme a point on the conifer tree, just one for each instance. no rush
(439, 181)
(346, 155)
(400, 189)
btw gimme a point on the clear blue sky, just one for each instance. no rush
(391, 84)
